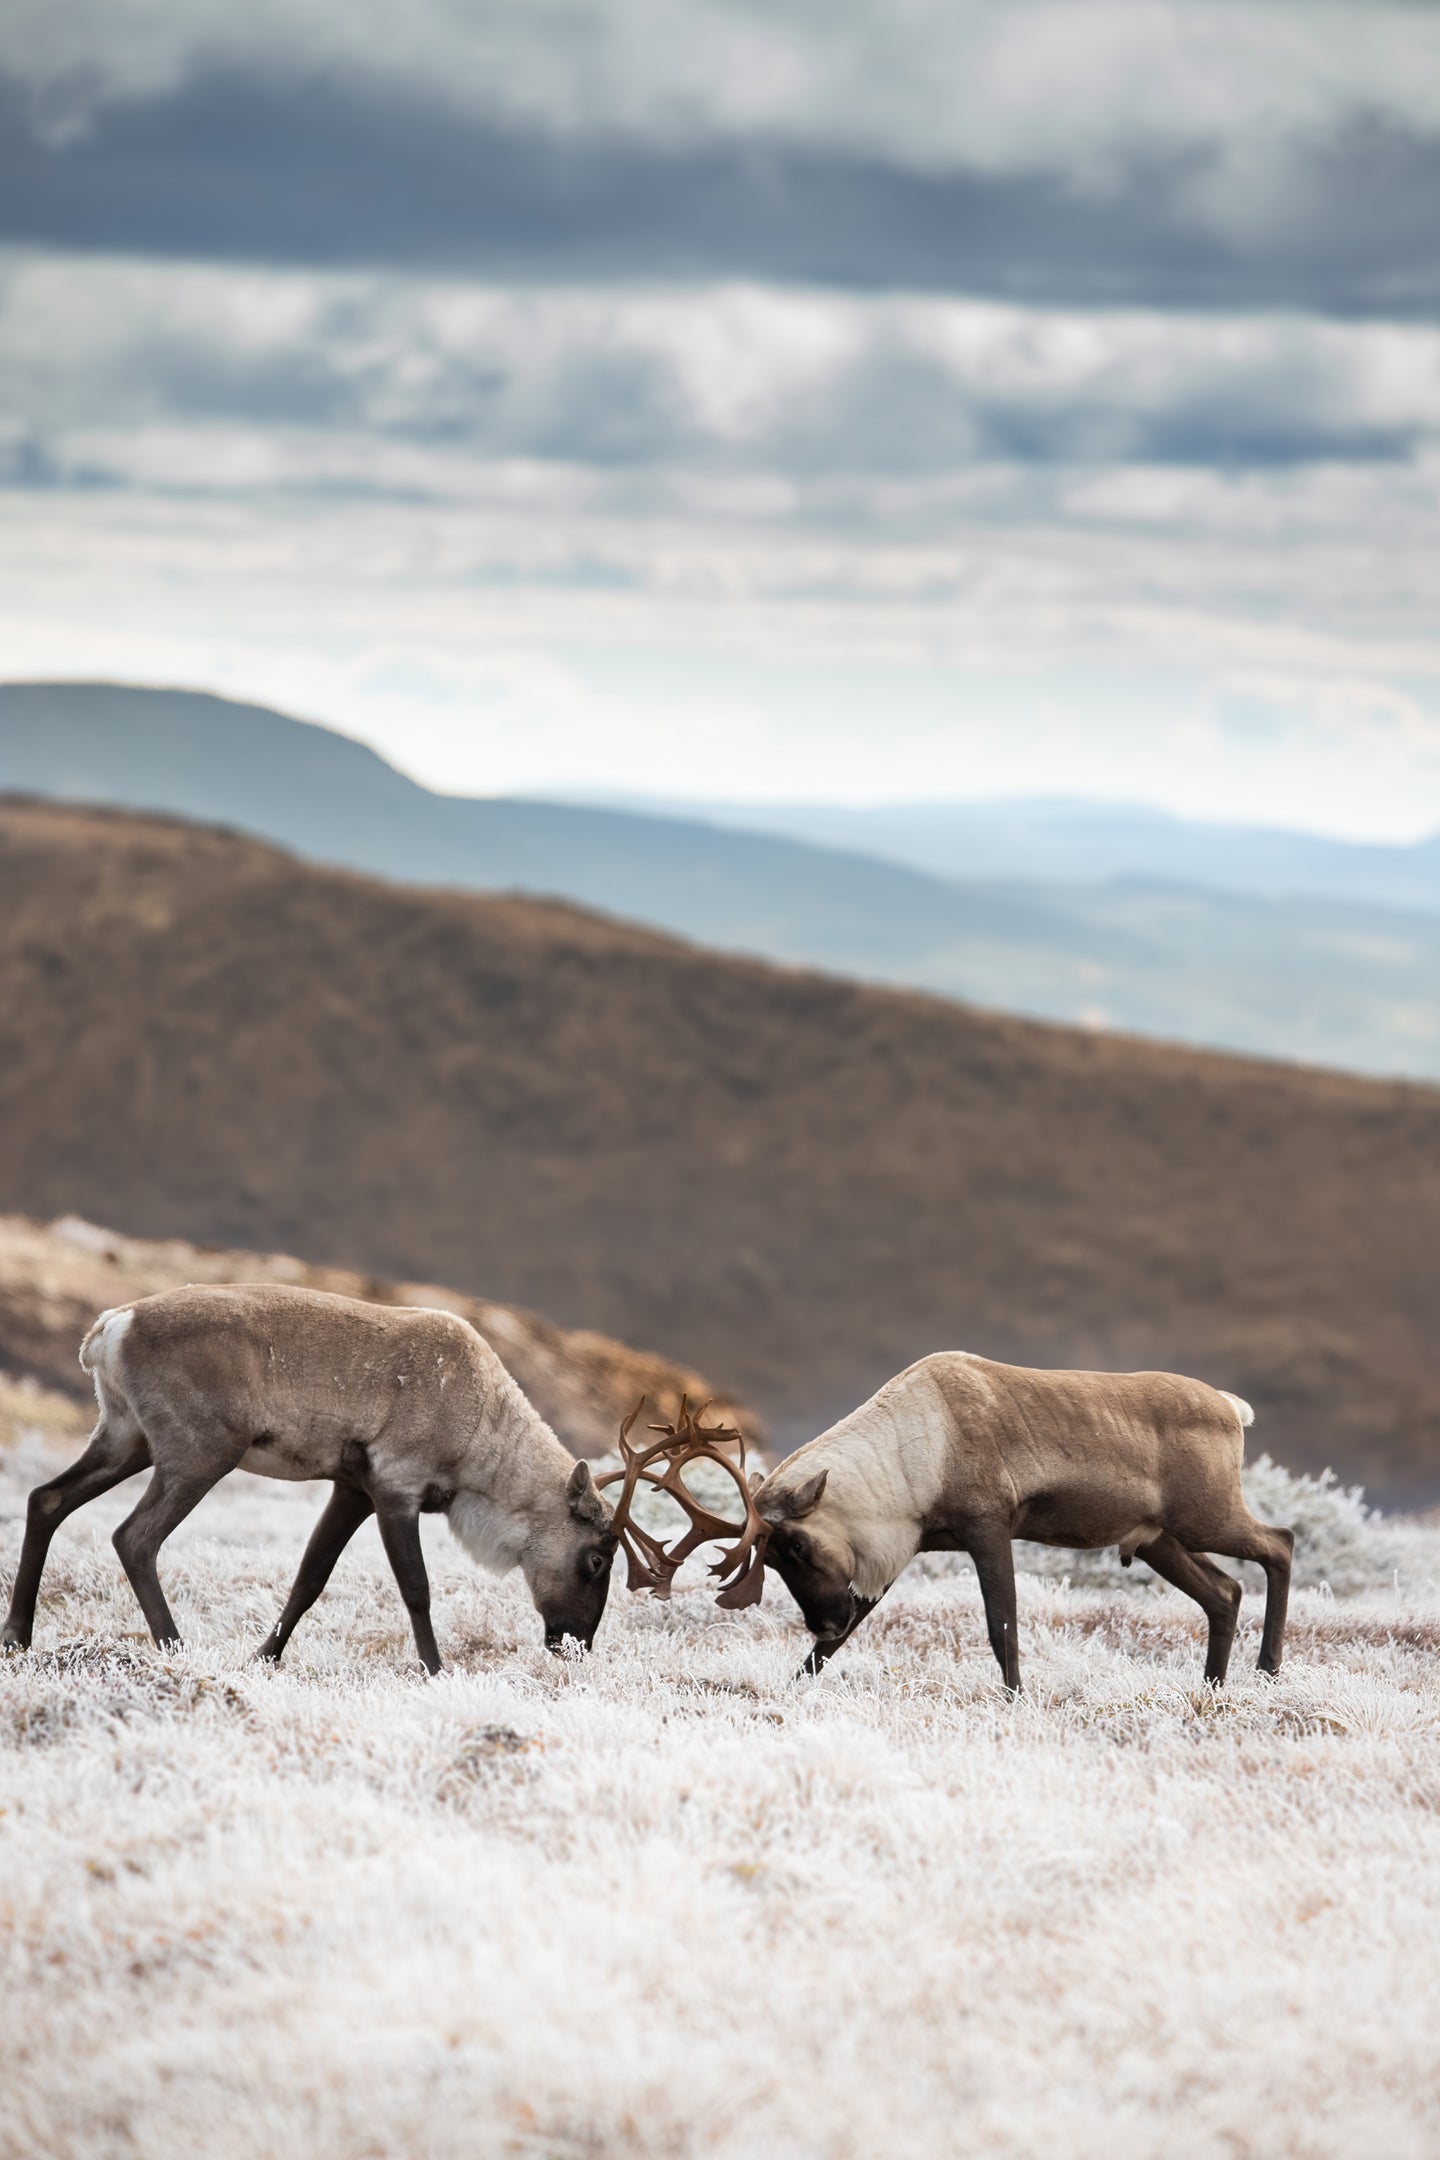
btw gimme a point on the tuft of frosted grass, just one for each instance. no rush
(665, 1903)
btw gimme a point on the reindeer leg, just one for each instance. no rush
(167, 1500)
(1215, 1592)
(107, 1461)
(399, 1524)
(343, 1514)
(991, 1550)
(821, 1651)
(1276, 1561)
(1274, 1549)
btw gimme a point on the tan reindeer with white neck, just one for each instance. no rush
(957, 1454)
(407, 1411)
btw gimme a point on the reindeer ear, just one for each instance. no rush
(586, 1504)
(783, 1507)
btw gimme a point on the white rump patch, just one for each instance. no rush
(1242, 1408)
(493, 1539)
(105, 1337)
(97, 1357)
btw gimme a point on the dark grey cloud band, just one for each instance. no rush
(345, 171)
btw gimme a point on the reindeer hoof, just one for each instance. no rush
(13, 1640)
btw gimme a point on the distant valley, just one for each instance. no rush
(1299, 969)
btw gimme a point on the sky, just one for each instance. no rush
(819, 399)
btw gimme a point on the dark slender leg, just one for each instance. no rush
(994, 1557)
(344, 1512)
(822, 1651)
(169, 1497)
(1274, 1550)
(1276, 1563)
(1217, 1594)
(400, 1534)
(105, 1462)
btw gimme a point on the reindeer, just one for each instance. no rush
(407, 1411)
(957, 1454)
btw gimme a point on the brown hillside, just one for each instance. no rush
(55, 1277)
(796, 1182)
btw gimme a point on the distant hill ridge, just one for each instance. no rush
(1324, 979)
(794, 1182)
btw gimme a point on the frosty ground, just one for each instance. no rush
(668, 1902)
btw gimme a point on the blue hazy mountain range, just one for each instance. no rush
(1064, 841)
(1276, 943)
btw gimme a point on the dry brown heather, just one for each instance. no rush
(55, 1277)
(796, 1182)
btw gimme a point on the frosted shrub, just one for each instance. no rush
(1340, 1543)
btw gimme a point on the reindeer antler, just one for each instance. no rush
(652, 1565)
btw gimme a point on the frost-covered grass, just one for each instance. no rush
(666, 1902)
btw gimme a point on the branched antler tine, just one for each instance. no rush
(648, 1565)
(630, 1458)
(704, 1525)
(745, 1560)
(682, 1422)
(747, 1553)
(749, 1585)
(653, 1565)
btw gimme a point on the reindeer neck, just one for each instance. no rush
(514, 1459)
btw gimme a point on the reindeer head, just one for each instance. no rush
(568, 1568)
(810, 1554)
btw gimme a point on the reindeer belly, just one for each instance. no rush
(291, 1454)
(1086, 1517)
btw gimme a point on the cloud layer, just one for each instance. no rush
(1210, 153)
(887, 396)
(1024, 85)
(342, 374)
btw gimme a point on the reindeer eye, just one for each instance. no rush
(593, 1564)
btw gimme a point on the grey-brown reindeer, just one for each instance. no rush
(958, 1454)
(407, 1411)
